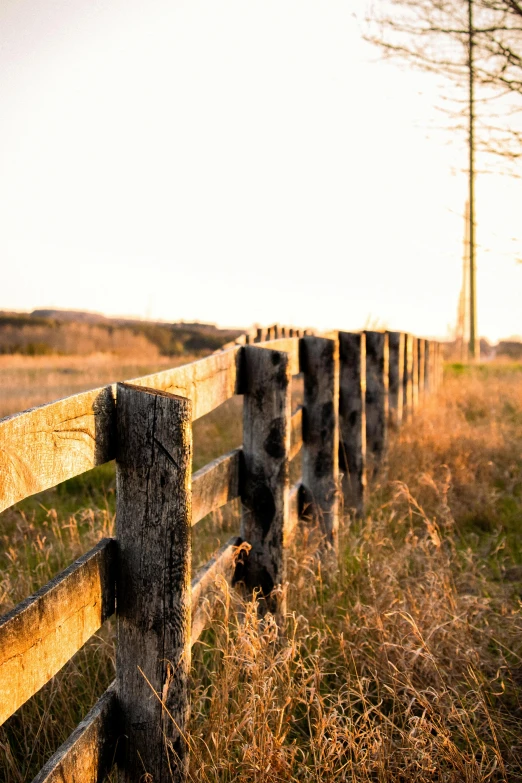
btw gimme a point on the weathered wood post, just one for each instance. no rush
(153, 523)
(352, 418)
(407, 409)
(421, 358)
(266, 448)
(433, 379)
(319, 362)
(427, 367)
(376, 397)
(396, 341)
(415, 374)
(261, 335)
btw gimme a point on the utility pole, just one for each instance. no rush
(474, 346)
(462, 330)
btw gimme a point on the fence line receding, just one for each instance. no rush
(357, 387)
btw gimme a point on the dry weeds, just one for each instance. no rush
(401, 663)
(404, 663)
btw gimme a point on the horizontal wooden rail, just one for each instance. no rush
(207, 383)
(42, 633)
(296, 433)
(88, 754)
(204, 594)
(216, 484)
(47, 445)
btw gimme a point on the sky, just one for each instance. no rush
(239, 162)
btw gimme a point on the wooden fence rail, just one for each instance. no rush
(356, 387)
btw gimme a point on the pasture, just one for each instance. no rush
(401, 661)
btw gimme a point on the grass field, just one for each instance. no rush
(401, 663)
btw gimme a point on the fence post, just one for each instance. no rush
(266, 447)
(352, 418)
(433, 375)
(421, 358)
(153, 521)
(319, 361)
(376, 397)
(408, 377)
(396, 342)
(415, 374)
(428, 378)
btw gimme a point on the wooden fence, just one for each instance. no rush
(356, 387)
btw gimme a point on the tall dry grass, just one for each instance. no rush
(400, 661)
(403, 663)
(27, 381)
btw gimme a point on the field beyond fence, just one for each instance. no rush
(356, 388)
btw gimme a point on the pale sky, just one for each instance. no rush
(236, 161)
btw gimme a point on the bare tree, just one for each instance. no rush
(435, 35)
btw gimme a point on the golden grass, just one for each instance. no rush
(27, 381)
(402, 661)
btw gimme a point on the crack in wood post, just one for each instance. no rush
(153, 521)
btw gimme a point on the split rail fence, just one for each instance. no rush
(356, 387)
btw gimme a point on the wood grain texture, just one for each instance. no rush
(42, 633)
(319, 360)
(216, 484)
(352, 418)
(205, 593)
(289, 345)
(153, 521)
(49, 444)
(396, 374)
(407, 408)
(266, 450)
(88, 754)
(296, 434)
(377, 372)
(207, 383)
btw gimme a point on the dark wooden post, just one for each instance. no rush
(396, 342)
(421, 358)
(352, 418)
(266, 448)
(407, 409)
(427, 367)
(376, 397)
(319, 361)
(433, 376)
(153, 523)
(415, 374)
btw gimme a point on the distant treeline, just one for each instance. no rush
(67, 332)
